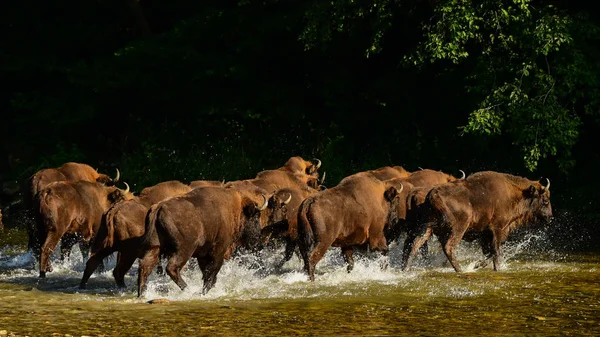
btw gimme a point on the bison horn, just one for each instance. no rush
(323, 177)
(264, 205)
(401, 188)
(318, 163)
(420, 168)
(127, 189)
(287, 201)
(463, 174)
(547, 186)
(117, 177)
(223, 182)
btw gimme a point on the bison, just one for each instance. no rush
(1, 224)
(123, 225)
(390, 172)
(351, 215)
(204, 223)
(425, 178)
(296, 172)
(73, 209)
(283, 221)
(67, 172)
(202, 183)
(487, 203)
(299, 165)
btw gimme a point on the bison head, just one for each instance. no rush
(299, 165)
(453, 178)
(278, 215)
(106, 180)
(255, 218)
(313, 181)
(278, 206)
(539, 201)
(392, 194)
(118, 194)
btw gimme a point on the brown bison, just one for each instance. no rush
(123, 225)
(295, 173)
(414, 204)
(427, 177)
(390, 172)
(204, 223)
(73, 209)
(1, 224)
(67, 172)
(424, 178)
(283, 221)
(299, 165)
(487, 203)
(203, 183)
(351, 215)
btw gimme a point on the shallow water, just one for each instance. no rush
(538, 292)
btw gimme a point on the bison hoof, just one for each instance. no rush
(42, 274)
(82, 286)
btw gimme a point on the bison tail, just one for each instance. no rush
(46, 216)
(167, 232)
(150, 226)
(108, 221)
(306, 238)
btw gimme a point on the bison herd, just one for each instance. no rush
(210, 220)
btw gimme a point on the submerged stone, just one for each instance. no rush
(158, 301)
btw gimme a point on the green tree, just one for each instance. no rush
(531, 67)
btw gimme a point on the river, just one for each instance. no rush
(537, 292)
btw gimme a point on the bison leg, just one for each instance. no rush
(315, 256)
(84, 248)
(424, 250)
(380, 245)
(347, 253)
(290, 246)
(49, 245)
(34, 242)
(122, 267)
(41, 237)
(487, 248)
(210, 268)
(67, 243)
(91, 265)
(175, 265)
(146, 266)
(449, 244)
(498, 238)
(412, 244)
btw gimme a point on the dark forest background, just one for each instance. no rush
(223, 89)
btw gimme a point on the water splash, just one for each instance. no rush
(252, 276)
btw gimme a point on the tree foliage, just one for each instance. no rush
(530, 70)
